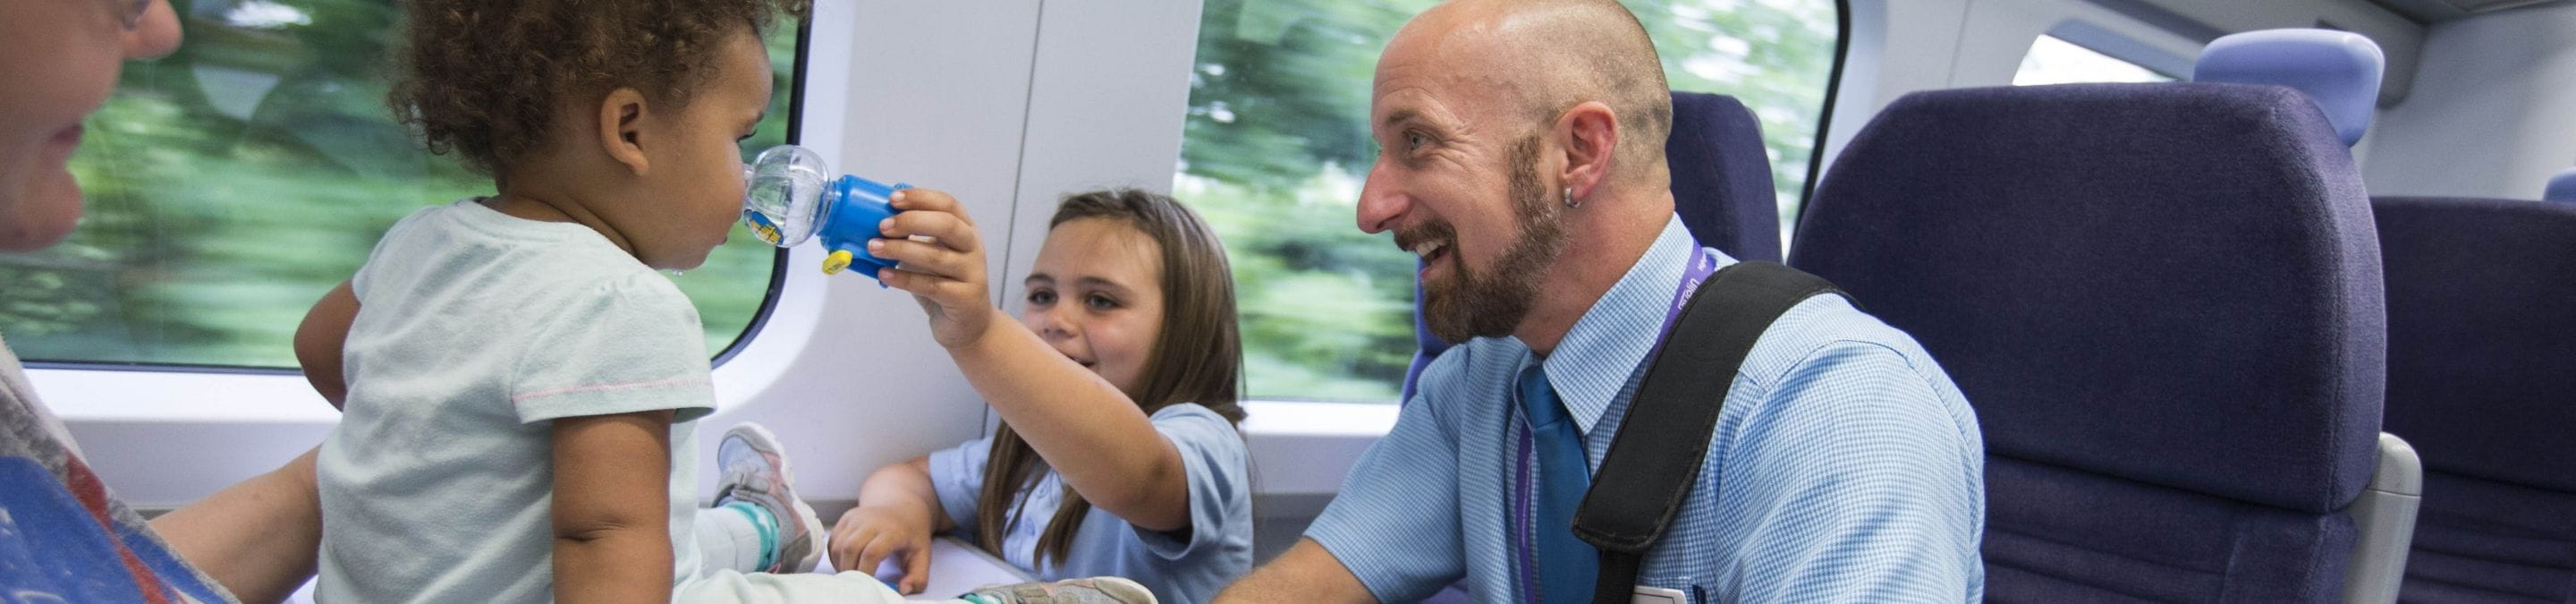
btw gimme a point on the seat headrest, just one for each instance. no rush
(2561, 187)
(2339, 70)
(2175, 284)
(1722, 176)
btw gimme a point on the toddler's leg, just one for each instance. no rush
(757, 479)
(729, 539)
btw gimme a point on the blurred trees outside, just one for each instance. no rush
(1277, 144)
(232, 183)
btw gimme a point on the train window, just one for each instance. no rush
(2053, 60)
(1276, 144)
(232, 183)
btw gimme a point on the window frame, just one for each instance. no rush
(1825, 119)
(778, 258)
(778, 267)
(2111, 43)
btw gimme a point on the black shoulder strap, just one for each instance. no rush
(1664, 439)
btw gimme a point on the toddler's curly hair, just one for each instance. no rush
(484, 78)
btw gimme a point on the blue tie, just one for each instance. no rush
(1566, 565)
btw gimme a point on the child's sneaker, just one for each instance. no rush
(756, 473)
(1095, 590)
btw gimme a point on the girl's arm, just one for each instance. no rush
(612, 520)
(1088, 431)
(898, 510)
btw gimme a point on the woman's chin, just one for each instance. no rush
(41, 213)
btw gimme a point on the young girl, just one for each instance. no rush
(518, 376)
(1117, 388)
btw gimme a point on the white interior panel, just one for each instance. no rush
(2493, 115)
(933, 94)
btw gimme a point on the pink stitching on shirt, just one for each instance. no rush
(680, 381)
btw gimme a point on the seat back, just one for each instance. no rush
(2163, 300)
(1721, 188)
(2340, 72)
(2481, 364)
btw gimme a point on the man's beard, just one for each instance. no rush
(1470, 305)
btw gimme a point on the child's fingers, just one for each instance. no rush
(845, 557)
(949, 293)
(933, 200)
(916, 569)
(844, 544)
(951, 230)
(926, 287)
(879, 547)
(931, 258)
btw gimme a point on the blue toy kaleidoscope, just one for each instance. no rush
(792, 196)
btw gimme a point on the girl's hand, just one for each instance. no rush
(867, 535)
(945, 273)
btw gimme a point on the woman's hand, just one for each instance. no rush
(867, 535)
(945, 273)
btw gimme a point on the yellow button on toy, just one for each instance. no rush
(840, 259)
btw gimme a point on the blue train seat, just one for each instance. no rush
(2480, 366)
(2164, 301)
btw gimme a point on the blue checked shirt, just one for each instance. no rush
(1846, 466)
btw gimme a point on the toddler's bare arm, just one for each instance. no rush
(612, 518)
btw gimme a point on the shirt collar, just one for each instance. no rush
(1592, 364)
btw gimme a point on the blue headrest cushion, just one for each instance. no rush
(2481, 336)
(2175, 284)
(2337, 69)
(2561, 187)
(1722, 176)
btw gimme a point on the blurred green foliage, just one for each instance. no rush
(1276, 143)
(232, 183)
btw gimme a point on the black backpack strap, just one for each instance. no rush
(1664, 439)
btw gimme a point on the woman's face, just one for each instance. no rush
(60, 58)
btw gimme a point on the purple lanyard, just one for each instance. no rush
(1524, 517)
(1702, 265)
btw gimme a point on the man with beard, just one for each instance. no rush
(1522, 158)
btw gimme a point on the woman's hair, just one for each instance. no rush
(485, 78)
(1197, 358)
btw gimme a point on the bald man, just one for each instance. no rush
(1522, 158)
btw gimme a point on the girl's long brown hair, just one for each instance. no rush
(1198, 357)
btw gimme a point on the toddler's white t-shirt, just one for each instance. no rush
(476, 329)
